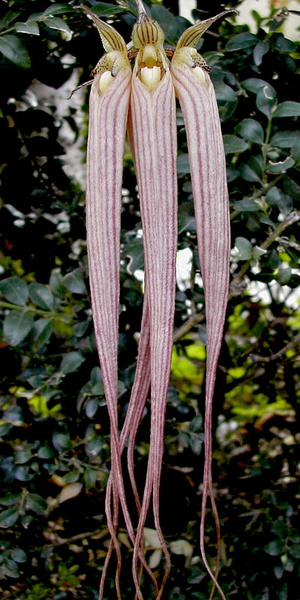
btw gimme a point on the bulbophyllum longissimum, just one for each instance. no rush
(141, 100)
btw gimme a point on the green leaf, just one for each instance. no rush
(282, 166)
(183, 165)
(14, 290)
(285, 139)
(42, 332)
(244, 248)
(274, 548)
(56, 283)
(61, 441)
(8, 517)
(249, 174)
(224, 92)
(254, 84)
(23, 456)
(90, 477)
(13, 49)
(93, 447)
(36, 503)
(57, 9)
(245, 205)
(282, 44)
(59, 24)
(11, 569)
(10, 500)
(284, 275)
(240, 41)
(18, 555)
(251, 130)
(266, 100)
(234, 144)
(295, 151)
(259, 51)
(8, 18)
(288, 109)
(295, 551)
(276, 197)
(29, 27)
(135, 253)
(167, 21)
(17, 326)
(91, 408)
(23, 473)
(71, 362)
(40, 295)
(45, 452)
(104, 9)
(74, 283)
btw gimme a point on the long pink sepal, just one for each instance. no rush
(153, 139)
(208, 175)
(107, 128)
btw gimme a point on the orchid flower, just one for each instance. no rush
(142, 100)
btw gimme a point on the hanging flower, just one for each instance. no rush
(142, 101)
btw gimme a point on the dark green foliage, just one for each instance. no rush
(54, 427)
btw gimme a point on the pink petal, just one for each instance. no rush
(208, 175)
(107, 129)
(153, 140)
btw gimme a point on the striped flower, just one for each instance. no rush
(142, 101)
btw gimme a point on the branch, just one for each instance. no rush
(97, 534)
(238, 284)
(279, 354)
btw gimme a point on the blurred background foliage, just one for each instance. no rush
(54, 428)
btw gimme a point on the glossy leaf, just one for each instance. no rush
(71, 362)
(57, 23)
(183, 164)
(259, 51)
(251, 130)
(57, 9)
(281, 166)
(254, 84)
(244, 248)
(36, 503)
(248, 173)
(19, 555)
(8, 517)
(266, 100)
(15, 290)
(41, 295)
(285, 139)
(240, 41)
(234, 144)
(73, 281)
(287, 109)
(15, 51)
(29, 27)
(17, 326)
(42, 332)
